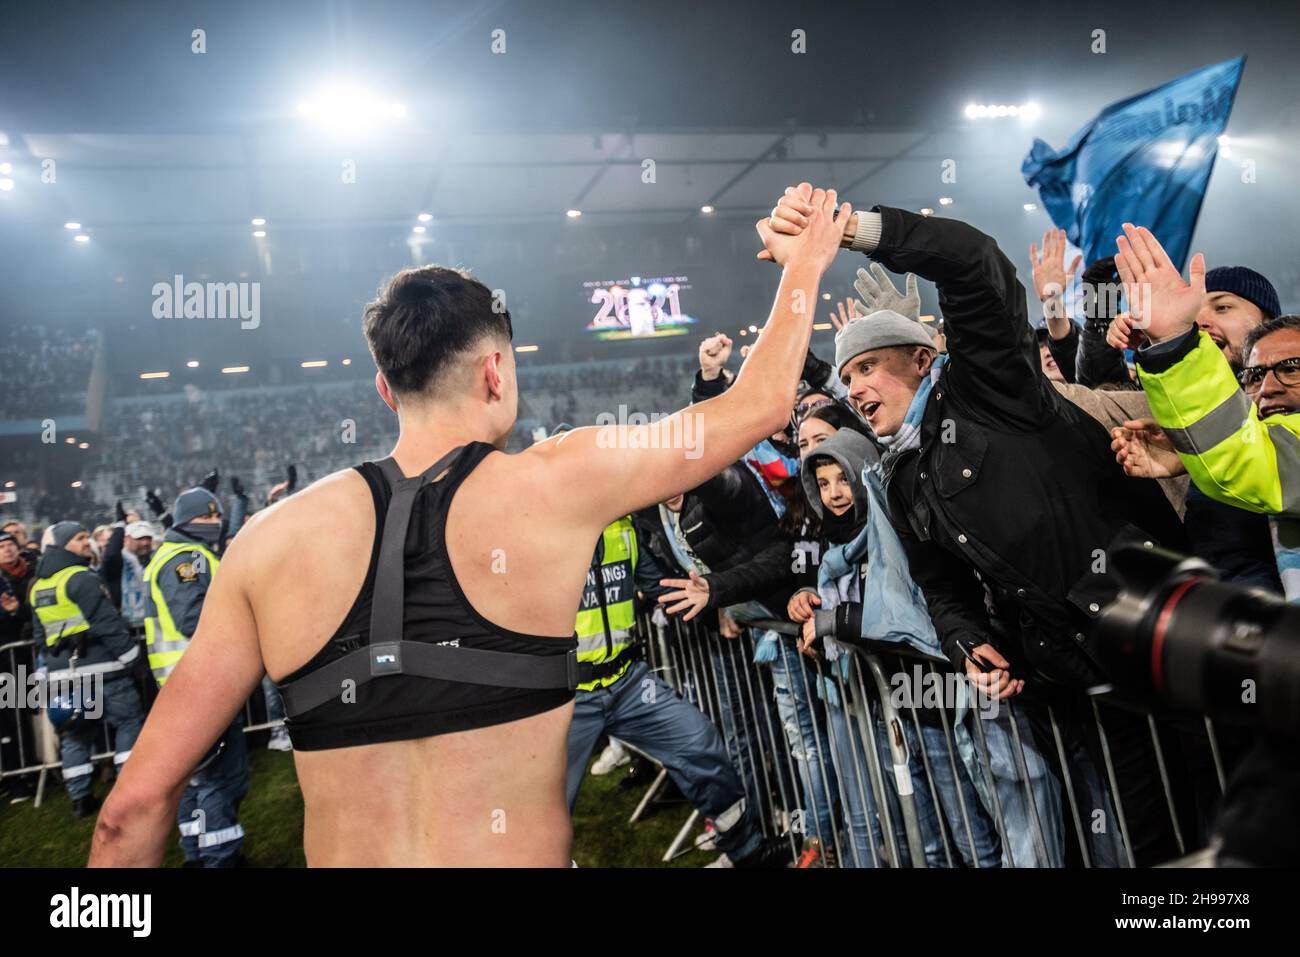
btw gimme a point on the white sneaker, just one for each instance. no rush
(614, 756)
(722, 861)
(279, 741)
(706, 840)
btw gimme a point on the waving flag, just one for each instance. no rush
(1144, 160)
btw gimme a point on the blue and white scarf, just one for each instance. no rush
(908, 435)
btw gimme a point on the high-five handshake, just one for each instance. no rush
(806, 225)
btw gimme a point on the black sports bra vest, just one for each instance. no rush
(441, 667)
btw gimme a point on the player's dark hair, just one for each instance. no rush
(424, 318)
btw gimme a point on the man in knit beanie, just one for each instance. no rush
(1237, 300)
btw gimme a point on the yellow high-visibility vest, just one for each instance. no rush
(606, 616)
(59, 615)
(166, 642)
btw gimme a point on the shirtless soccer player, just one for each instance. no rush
(464, 764)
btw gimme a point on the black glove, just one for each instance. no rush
(1096, 277)
(155, 503)
(237, 487)
(293, 480)
(815, 371)
(210, 481)
(119, 511)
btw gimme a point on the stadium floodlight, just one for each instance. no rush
(259, 221)
(821, 326)
(526, 348)
(72, 225)
(71, 440)
(342, 108)
(76, 484)
(83, 445)
(9, 484)
(981, 111)
(192, 364)
(706, 209)
(424, 217)
(945, 200)
(1030, 207)
(259, 234)
(6, 184)
(419, 229)
(232, 370)
(81, 238)
(154, 375)
(6, 169)
(573, 213)
(315, 363)
(347, 362)
(927, 211)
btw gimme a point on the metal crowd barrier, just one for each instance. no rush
(888, 758)
(29, 745)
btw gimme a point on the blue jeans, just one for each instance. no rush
(730, 693)
(642, 710)
(274, 703)
(208, 815)
(1030, 805)
(805, 733)
(123, 713)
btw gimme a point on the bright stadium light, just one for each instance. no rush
(706, 209)
(232, 370)
(81, 238)
(573, 213)
(419, 229)
(424, 217)
(927, 211)
(72, 225)
(6, 185)
(945, 200)
(347, 362)
(346, 109)
(6, 169)
(259, 221)
(315, 363)
(154, 375)
(76, 484)
(192, 364)
(1030, 207)
(83, 445)
(1026, 111)
(259, 234)
(526, 348)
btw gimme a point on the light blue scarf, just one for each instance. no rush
(908, 435)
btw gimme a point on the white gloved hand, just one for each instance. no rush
(878, 292)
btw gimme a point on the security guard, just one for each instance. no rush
(177, 579)
(87, 649)
(619, 695)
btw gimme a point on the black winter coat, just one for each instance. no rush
(731, 527)
(1011, 481)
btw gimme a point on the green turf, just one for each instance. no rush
(49, 836)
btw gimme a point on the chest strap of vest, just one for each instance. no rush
(389, 654)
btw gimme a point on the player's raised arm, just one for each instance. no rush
(609, 470)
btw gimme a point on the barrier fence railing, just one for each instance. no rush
(883, 756)
(29, 744)
(888, 757)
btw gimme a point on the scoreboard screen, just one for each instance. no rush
(637, 307)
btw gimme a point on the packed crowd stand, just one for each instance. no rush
(868, 642)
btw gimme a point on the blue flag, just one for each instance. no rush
(1145, 160)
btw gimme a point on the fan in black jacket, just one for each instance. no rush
(1006, 496)
(729, 525)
